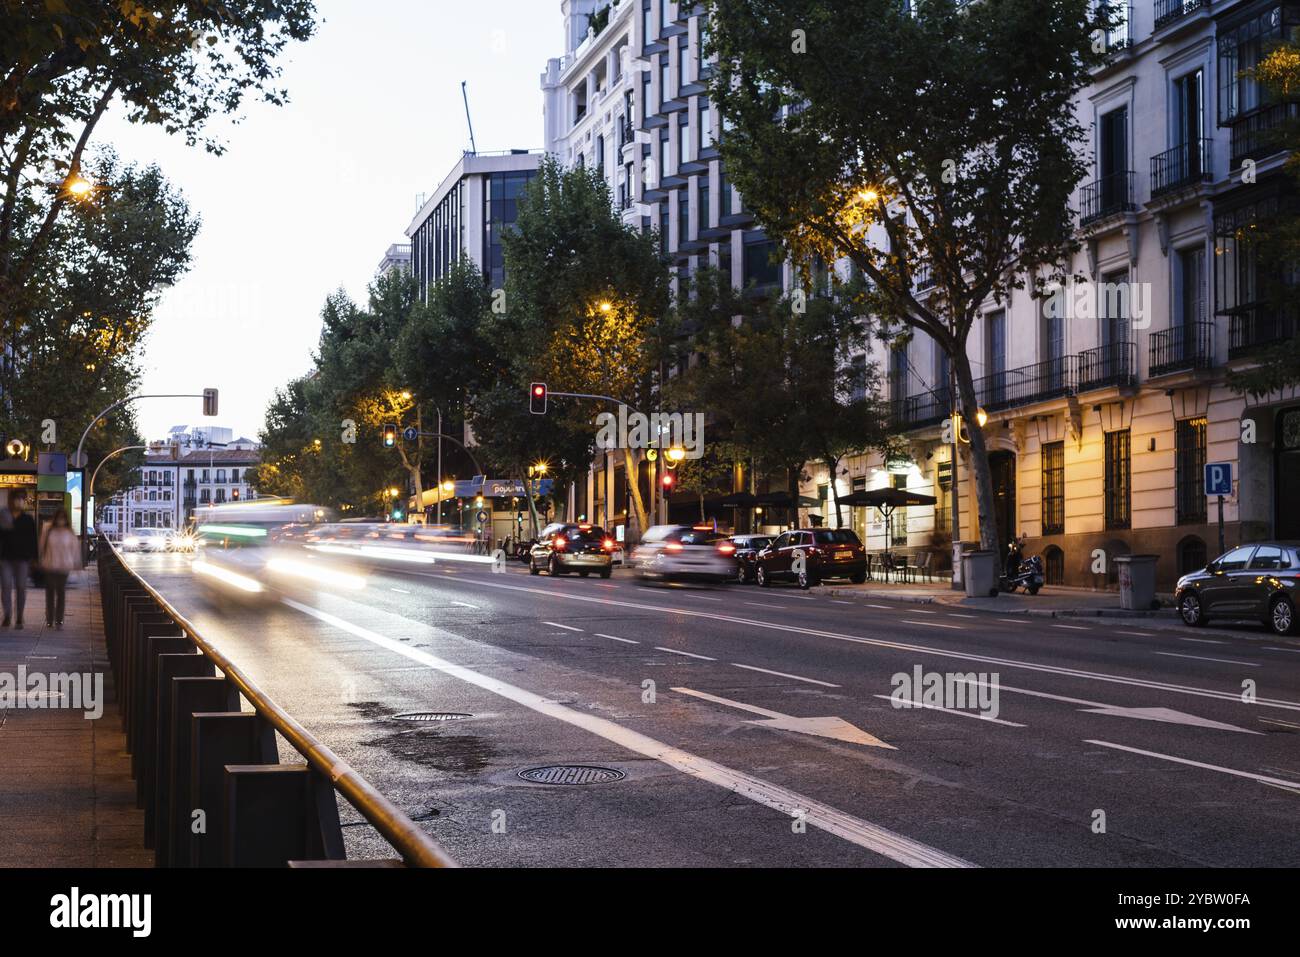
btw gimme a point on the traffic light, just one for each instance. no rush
(669, 481)
(390, 436)
(537, 397)
(209, 402)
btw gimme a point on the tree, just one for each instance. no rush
(586, 297)
(171, 63)
(75, 350)
(1278, 242)
(933, 134)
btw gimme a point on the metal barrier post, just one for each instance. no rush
(189, 696)
(170, 668)
(218, 740)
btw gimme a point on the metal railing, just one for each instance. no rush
(194, 751)
(1167, 11)
(1178, 348)
(1183, 165)
(1107, 196)
(1114, 364)
(916, 411)
(1255, 135)
(1257, 329)
(1028, 384)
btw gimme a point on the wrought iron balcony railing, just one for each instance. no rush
(1255, 135)
(1255, 329)
(1028, 384)
(1183, 165)
(1107, 196)
(1179, 348)
(1168, 11)
(918, 411)
(1109, 365)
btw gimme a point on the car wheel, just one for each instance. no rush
(1281, 616)
(555, 567)
(1190, 611)
(742, 575)
(584, 573)
(533, 569)
(761, 577)
(858, 578)
(606, 572)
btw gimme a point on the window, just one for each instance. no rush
(600, 155)
(665, 153)
(1053, 488)
(898, 518)
(1054, 570)
(1269, 558)
(683, 66)
(203, 497)
(1189, 119)
(858, 378)
(996, 354)
(1235, 560)
(898, 373)
(664, 73)
(702, 214)
(220, 496)
(1112, 307)
(1191, 286)
(761, 267)
(1240, 50)
(234, 476)
(683, 216)
(1112, 161)
(706, 125)
(648, 29)
(724, 260)
(221, 476)
(1118, 491)
(1189, 471)
(724, 196)
(683, 140)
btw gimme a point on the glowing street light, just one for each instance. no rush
(676, 455)
(606, 305)
(869, 195)
(80, 187)
(981, 417)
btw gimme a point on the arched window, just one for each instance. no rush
(1054, 565)
(1192, 556)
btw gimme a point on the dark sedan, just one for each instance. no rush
(747, 548)
(573, 548)
(1260, 580)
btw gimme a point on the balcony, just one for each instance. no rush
(1182, 348)
(1108, 196)
(1028, 384)
(923, 277)
(918, 411)
(1171, 11)
(1120, 36)
(1184, 165)
(1258, 328)
(1255, 135)
(1110, 365)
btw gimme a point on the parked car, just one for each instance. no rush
(147, 540)
(565, 548)
(827, 553)
(747, 549)
(1260, 580)
(684, 553)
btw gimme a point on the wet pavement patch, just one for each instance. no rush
(427, 744)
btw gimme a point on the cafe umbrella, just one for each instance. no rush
(885, 500)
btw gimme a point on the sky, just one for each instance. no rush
(308, 196)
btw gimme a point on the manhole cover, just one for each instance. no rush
(420, 717)
(572, 774)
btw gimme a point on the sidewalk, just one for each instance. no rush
(66, 794)
(1052, 601)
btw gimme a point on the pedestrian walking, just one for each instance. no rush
(20, 550)
(60, 555)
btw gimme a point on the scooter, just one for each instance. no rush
(1028, 572)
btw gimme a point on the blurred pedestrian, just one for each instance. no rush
(19, 552)
(60, 555)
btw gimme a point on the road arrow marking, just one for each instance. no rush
(1168, 715)
(828, 727)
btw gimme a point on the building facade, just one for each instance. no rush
(397, 257)
(1106, 401)
(468, 214)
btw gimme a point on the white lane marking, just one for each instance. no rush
(1284, 724)
(862, 833)
(759, 604)
(823, 727)
(930, 624)
(400, 591)
(1168, 715)
(1140, 634)
(626, 641)
(1276, 782)
(922, 611)
(1222, 661)
(1201, 641)
(1294, 651)
(1013, 621)
(1279, 703)
(955, 615)
(685, 654)
(703, 597)
(1073, 627)
(782, 674)
(960, 714)
(556, 624)
(837, 601)
(465, 604)
(885, 607)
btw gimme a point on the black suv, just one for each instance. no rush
(1261, 580)
(747, 549)
(566, 548)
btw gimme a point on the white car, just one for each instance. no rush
(684, 553)
(147, 540)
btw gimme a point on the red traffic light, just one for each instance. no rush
(537, 398)
(668, 480)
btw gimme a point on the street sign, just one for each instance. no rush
(499, 488)
(1218, 478)
(478, 481)
(482, 516)
(411, 434)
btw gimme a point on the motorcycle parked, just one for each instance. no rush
(1021, 572)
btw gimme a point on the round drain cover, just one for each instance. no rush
(423, 716)
(572, 774)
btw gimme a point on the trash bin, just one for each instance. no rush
(979, 573)
(958, 550)
(1137, 582)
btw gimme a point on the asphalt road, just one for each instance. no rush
(1105, 744)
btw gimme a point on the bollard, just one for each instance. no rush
(218, 740)
(276, 813)
(145, 699)
(189, 697)
(188, 664)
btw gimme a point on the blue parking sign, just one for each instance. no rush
(1218, 478)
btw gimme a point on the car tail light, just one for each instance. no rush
(559, 544)
(609, 544)
(673, 547)
(727, 548)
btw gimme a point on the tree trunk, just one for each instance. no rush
(632, 466)
(532, 505)
(833, 464)
(979, 456)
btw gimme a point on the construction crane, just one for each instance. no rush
(473, 148)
